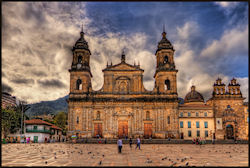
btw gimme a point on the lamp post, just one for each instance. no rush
(21, 122)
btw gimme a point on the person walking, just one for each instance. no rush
(119, 143)
(130, 142)
(138, 143)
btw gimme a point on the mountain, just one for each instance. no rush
(48, 107)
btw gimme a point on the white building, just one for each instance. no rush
(41, 131)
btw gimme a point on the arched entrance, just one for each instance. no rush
(98, 130)
(123, 129)
(229, 132)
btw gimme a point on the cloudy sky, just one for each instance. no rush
(210, 39)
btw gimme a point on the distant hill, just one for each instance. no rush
(55, 106)
(48, 107)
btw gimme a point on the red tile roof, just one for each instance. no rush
(56, 127)
(37, 121)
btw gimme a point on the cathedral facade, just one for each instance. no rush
(123, 107)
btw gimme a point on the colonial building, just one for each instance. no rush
(123, 107)
(196, 118)
(227, 103)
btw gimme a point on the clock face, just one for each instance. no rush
(79, 66)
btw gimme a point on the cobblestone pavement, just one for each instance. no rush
(62, 154)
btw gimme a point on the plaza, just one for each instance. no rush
(66, 154)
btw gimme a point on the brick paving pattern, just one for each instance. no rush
(62, 154)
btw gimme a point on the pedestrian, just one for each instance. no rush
(105, 141)
(25, 139)
(119, 143)
(130, 142)
(138, 143)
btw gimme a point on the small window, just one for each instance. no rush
(181, 124)
(205, 114)
(147, 115)
(206, 133)
(197, 124)
(98, 115)
(189, 114)
(167, 84)
(189, 133)
(77, 120)
(181, 114)
(197, 114)
(247, 119)
(206, 124)
(35, 127)
(168, 120)
(165, 59)
(218, 121)
(189, 124)
(79, 84)
(198, 133)
(79, 59)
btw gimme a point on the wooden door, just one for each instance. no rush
(98, 129)
(230, 132)
(147, 130)
(122, 129)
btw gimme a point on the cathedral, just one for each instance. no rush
(124, 108)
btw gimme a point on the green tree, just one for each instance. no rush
(10, 121)
(60, 120)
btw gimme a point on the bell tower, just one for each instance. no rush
(80, 74)
(165, 75)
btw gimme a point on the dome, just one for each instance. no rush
(193, 96)
(81, 43)
(164, 43)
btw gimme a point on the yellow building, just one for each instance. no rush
(196, 119)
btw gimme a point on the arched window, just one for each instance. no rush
(79, 59)
(79, 84)
(147, 115)
(77, 120)
(168, 120)
(98, 115)
(221, 91)
(165, 59)
(167, 85)
(217, 91)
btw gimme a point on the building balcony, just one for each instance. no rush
(38, 131)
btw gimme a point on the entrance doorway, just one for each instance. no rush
(147, 130)
(98, 130)
(123, 129)
(182, 135)
(229, 132)
(35, 139)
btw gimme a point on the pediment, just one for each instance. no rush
(123, 66)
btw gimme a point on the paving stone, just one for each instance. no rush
(107, 155)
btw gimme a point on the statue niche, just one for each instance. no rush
(122, 85)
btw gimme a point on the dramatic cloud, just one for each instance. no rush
(37, 38)
(6, 88)
(53, 83)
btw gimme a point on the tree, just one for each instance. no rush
(10, 121)
(60, 120)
